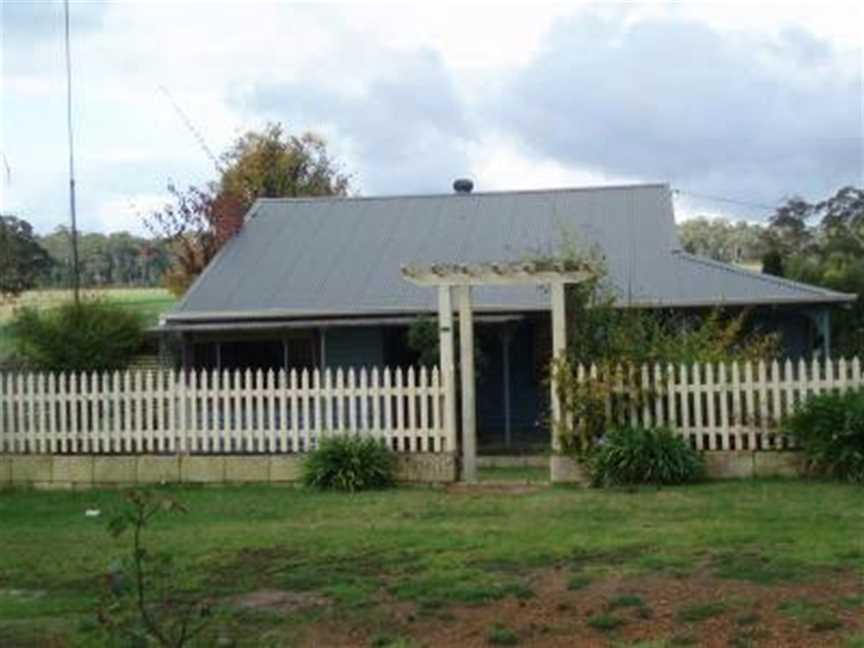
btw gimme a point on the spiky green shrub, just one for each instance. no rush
(829, 428)
(349, 463)
(634, 455)
(88, 336)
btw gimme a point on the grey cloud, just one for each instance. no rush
(407, 124)
(672, 99)
(23, 21)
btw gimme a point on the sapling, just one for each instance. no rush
(142, 603)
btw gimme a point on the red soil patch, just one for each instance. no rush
(509, 488)
(557, 617)
(277, 600)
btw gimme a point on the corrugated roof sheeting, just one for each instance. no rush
(321, 256)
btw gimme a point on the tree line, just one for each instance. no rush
(31, 260)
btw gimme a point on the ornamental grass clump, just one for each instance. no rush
(349, 463)
(829, 428)
(630, 456)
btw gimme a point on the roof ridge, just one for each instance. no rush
(501, 192)
(780, 281)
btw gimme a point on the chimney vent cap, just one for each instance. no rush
(463, 185)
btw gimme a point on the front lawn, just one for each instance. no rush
(733, 562)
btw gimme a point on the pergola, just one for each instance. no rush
(454, 282)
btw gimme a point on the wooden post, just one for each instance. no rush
(466, 366)
(559, 348)
(448, 364)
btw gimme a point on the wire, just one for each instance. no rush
(199, 138)
(733, 201)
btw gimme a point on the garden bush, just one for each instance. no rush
(633, 455)
(830, 430)
(349, 463)
(88, 336)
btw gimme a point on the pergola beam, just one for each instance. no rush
(494, 274)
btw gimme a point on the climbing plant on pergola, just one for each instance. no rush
(454, 283)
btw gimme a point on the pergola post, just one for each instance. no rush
(466, 370)
(455, 281)
(559, 348)
(448, 362)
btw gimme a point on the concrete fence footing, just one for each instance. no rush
(718, 465)
(85, 471)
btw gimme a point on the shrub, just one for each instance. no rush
(89, 336)
(830, 430)
(632, 455)
(349, 463)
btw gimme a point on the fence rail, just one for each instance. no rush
(219, 411)
(722, 406)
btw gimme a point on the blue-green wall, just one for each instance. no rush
(354, 347)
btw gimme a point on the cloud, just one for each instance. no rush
(674, 99)
(32, 22)
(402, 125)
(755, 104)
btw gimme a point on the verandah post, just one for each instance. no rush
(559, 348)
(466, 366)
(447, 362)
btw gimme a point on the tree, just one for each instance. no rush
(823, 243)
(117, 259)
(722, 240)
(197, 222)
(22, 259)
(272, 164)
(772, 263)
(195, 225)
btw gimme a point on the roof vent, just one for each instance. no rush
(463, 185)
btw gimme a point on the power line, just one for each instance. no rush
(192, 129)
(732, 201)
(76, 278)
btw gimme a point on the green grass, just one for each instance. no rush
(149, 302)
(817, 617)
(518, 474)
(423, 547)
(625, 600)
(698, 612)
(855, 641)
(578, 582)
(605, 622)
(500, 635)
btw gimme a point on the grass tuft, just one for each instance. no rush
(578, 582)
(698, 612)
(605, 622)
(625, 600)
(499, 635)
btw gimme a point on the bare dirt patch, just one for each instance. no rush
(278, 601)
(484, 488)
(697, 610)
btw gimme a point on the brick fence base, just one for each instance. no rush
(85, 471)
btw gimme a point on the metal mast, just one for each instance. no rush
(76, 277)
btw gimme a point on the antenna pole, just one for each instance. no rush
(76, 277)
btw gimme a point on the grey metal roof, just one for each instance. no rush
(342, 256)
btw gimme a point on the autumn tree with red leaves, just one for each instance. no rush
(197, 222)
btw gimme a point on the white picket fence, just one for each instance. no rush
(723, 406)
(220, 411)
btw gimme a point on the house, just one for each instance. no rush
(317, 283)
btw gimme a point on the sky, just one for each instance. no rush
(755, 103)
